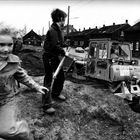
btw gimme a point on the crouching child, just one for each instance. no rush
(11, 126)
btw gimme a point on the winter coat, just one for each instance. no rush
(54, 40)
(10, 73)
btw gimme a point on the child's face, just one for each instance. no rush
(62, 22)
(6, 46)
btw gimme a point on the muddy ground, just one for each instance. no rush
(91, 111)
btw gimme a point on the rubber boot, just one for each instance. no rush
(47, 103)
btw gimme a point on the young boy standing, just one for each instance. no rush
(53, 48)
(11, 127)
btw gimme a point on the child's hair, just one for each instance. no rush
(6, 31)
(58, 15)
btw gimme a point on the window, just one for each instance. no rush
(124, 51)
(81, 43)
(75, 43)
(137, 46)
(120, 51)
(131, 46)
(102, 50)
(93, 49)
(122, 34)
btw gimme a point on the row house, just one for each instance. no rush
(132, 35)
(114, 32)
(81, 38)
(120, 32)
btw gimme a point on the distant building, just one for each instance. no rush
(68, 29)
(132, 35)
(114, 32)
(32, 38)
(81, 38)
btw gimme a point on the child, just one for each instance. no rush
(53, 47)
(11, 127)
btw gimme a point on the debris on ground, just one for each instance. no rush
(91, 111)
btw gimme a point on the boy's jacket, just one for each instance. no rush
(54, 40)
(10, 73)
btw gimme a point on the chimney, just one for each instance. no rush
(96, 27)
(84, 29)
(103, 25)
(113, 23)
(79, 30)
(126, 21)
(89, 28)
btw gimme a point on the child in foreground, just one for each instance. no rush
(11, 126)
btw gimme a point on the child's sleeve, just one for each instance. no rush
(22, 77)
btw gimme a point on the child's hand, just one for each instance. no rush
(42, 89)
(67, 53)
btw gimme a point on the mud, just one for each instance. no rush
(90, 112)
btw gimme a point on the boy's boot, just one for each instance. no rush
(47, 103)
(59, 97)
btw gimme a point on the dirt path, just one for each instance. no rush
(91, 112)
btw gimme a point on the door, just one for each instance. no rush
(97, 64)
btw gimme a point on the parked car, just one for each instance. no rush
(79, 50)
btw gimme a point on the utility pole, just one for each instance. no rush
(49, 24)
(25, 30)
(68, 21)
(43, 31)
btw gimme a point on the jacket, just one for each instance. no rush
(10, 73)
(54, 41)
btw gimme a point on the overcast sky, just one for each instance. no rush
(35, 14)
